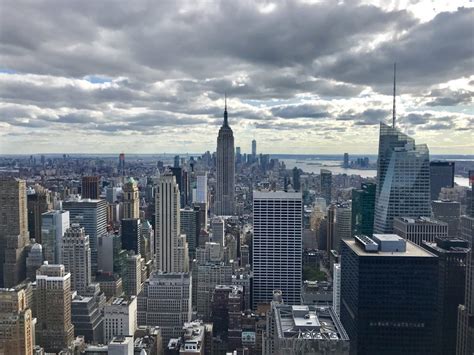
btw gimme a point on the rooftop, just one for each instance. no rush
(308, 322)
(275, 195)
(420, 220)
(412, 250)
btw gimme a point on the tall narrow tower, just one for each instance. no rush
(131, 199)
(171, 246)
(224, 204)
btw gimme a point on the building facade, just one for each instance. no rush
(441, 175)
(420, 229)
(277, 245)
(363, 207)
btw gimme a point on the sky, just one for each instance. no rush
(302, 77)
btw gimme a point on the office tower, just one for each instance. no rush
(227, 306)
(296, 179)
(90, 187)
(86, 318)
(202, 207)
(225, 170)
(166, 302)
(209, 275)
(34, 260)
(54, 329)
(420, 229)
(465, 335)
(441, 175)
(130, 234)
(218, 230)
(132, 274)
(343, 224)
(331, 241)
(77, 258)
(14, 234)
(167, 227)
(345, 164)
(53, 226)
(452, 254)
(363, 206)
(92, 215)
(16, 322)
(403, 179)
(39, 202)
(147, 241)
(336, 290)
(254, 148)
(389, 295)
(110, 283)
(120, 317)
(277, 245)
(201, 188)
(190, 227)
(466, 229)
(326, 185)
(111, 194)
(176, 161)
(449, 212)
(108, 249)
(131, 199)
(121, 165)
(300, 329)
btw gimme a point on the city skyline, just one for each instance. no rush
(125, 75)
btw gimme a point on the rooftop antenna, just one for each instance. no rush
(394, 93)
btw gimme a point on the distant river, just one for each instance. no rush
(315, 166)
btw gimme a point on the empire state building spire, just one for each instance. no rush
(225, 169)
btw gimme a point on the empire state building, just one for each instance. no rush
(224, 204)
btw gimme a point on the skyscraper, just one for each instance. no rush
(201, 188)
(277, 245)
(403, 179)
(452, 255)
(130, 234)
(225, 170)
(441, 175)
(166, 302)
(465, 337)
(76, 258)
(345, 164)
(131, 199)
(92, 215)
(168, 226)
(326, 185)
(389, 296)
(14, 234)
(296, 179)
(39, 202)
(363, 206)
(53, 226)
(449, 212)
(54, 330)
(254, 148)
(190, 227)
(90, 187)
(420, 229)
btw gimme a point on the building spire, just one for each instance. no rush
(394, 93)
(226, 123)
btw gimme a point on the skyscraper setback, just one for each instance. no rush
(403, 179)
(225, 170)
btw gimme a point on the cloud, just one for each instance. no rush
(449, 97)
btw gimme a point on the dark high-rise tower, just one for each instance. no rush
(389, 296)
(326, 185)
(363, 205)
(90, 187)
(224, 204)
(441, 175)
(465, 336)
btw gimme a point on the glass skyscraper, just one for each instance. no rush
(403, 179)
(363, 206)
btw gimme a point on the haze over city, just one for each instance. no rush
(302, 77)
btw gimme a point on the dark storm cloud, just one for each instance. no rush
(300, 111)
(447, 97)
(432, 52)
(368, 117)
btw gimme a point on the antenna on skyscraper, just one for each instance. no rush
(394, 93)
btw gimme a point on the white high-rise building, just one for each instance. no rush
(171, 249)
(166, 302)
(201, 187)
(277, 245)
(403, 179)
(225, 170)
(53, 226)
(120, 317)
(77, 258)
(336, 290)
(421, 229)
